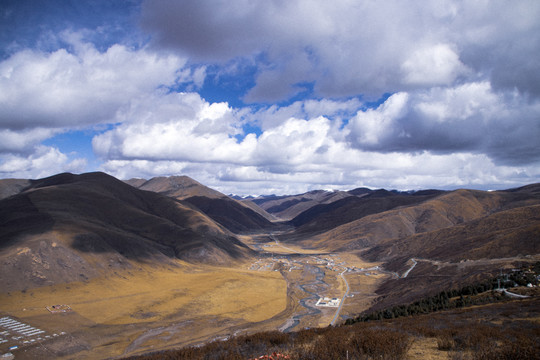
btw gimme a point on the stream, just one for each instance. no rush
(309, 288)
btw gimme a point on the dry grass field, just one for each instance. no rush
(507, 330)
(133, 304)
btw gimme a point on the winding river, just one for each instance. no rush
(309, 288)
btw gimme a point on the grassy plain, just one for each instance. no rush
(209, 299)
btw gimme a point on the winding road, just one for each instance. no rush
(342, 299)
(409, 270)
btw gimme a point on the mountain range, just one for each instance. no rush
(68, 229)
(177, 217)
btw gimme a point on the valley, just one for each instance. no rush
(312, 277)
(140, 266)
(146, 308)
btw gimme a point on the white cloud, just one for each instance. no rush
(183, 134)
(180, 127)
(471, 117)
(44, 161)
(372, 169)
(369, 127)
(183, 127)
(24, 140)
(431, 66)
(274, 115)
(461, 77)
(357, 47)
(78, 88)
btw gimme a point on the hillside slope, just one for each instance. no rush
(289, 206)
(230, 213)
(72, 227)
(9, 187)
(444, 211)
(178, 187)
(324, 217)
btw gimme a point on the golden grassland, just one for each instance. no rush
(111, 312)
(465, 334)
(143, 308)
(113, 300)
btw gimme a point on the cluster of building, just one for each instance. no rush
(269, 263)
(59, 308)
(328, 302)
(18, 333)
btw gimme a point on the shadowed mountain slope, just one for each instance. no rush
(69, 227)
(230, 213)
(9, 187)
(289, 206)
(178, 187)
(444, 211)
(505, 234)
(324, 217)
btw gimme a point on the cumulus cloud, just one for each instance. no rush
(439, 138)
(356, 169)
(466, 118)
(435, 65)
(185, 127)
(81, 88)
(44, 161)
(348, 48)
(383, 94)
(274, 115)
(23, 141)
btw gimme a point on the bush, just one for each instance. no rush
(445, 342)
(381, 343)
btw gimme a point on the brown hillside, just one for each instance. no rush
(9, 187)
(179, 187)
(71, 227)
(230, 213)
(135, 182)
(444, 211)
(324, 217)
(455, 238)
(251, 205)
(289, 206)
(505, 234)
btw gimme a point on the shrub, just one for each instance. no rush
(445, 342)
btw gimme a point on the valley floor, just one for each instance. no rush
(146, 308)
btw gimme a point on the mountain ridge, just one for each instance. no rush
(90, 221)
(235, 215)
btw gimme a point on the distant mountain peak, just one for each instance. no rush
(178, 186)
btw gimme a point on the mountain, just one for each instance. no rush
(72, 227)
(433, 213)
(507, 233)
(439, 239)
(9, 187)
(232, 214)
(169, 250)
(289, 206)
(178, 187)
(324, 217)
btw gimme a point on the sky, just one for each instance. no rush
(273, 97)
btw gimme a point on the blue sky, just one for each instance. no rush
(259, 97)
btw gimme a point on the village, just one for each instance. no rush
(329, 264)
(15, 333)
(288, 263)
